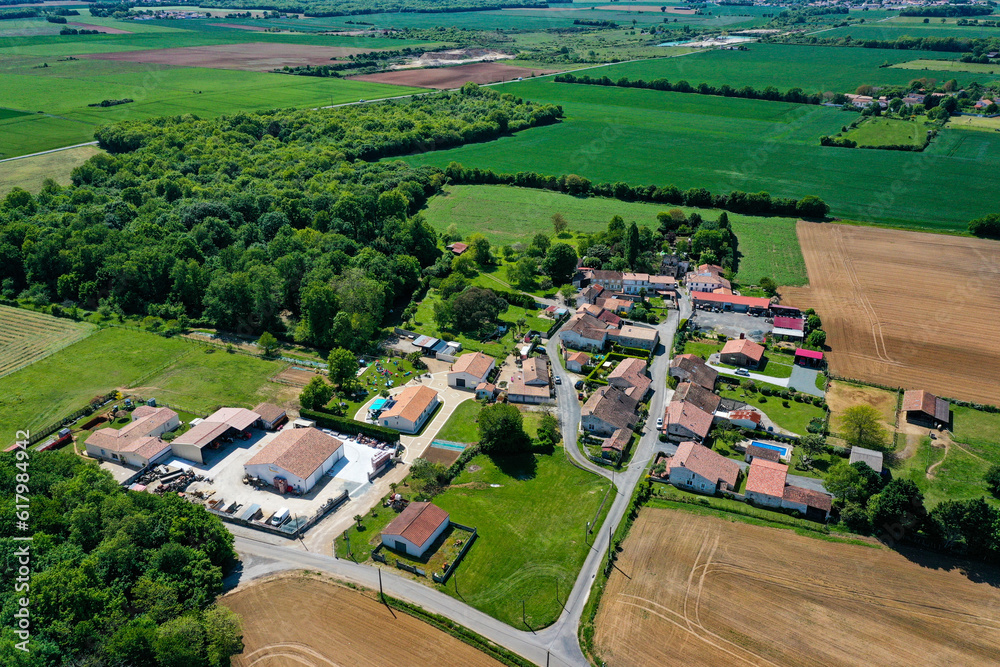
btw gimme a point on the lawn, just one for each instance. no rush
(958, 475)
(883, 131)
(648, 137)
(28, 173)
(397, 372)
(979, 429)
(778, 365)
(795, 417)
(461, 425)
(950, 66)
(974, 123)
(767, 246)
(532, 515)
(703, 348)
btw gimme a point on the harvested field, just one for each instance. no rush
(905, 308)
(299, 619)
(27, 336)
(453, 77)
(296, 377)
(843, 395)
(251, 57)
(99, 28)
(29, 172)
(701, 590)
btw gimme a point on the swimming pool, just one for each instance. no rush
(781, 449)
(454, 446)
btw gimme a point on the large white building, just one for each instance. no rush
(299, 456)
(470, 370)
(415, 529)
(410, 409)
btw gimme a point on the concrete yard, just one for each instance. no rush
(731, 324)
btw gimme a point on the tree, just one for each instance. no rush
(224, 634)
(501, 430)
(316, 394)
(267, 344)
(987, 226)
(540, 244)
(548, 428)
(768, 286)
(992, 479)
(343, 367)
(812, 206)
(862, 427)
(479, 246)
(855, 482)
(898, 508)
(816, 338)
(476, 310)
(522, 274)
(631, 244)
(464, 264)
(559, 223)
(811, 446)
(560, 263)
(180, 642)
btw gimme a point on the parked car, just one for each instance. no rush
(579, 395)
(280, 517)
(579, 384)
(742, 371)
(558, 380)
(659, 423)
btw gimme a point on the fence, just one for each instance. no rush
(389, 465)
(92, 407)
(555, 325)
(443, 577)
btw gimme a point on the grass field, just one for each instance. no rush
(27, 336)
(952, 473)
(767, 246)
(703, 590)
(975, 427)
(724, 144)
(889, 132)
(531, 514)
(28, 173)
(949, 66)
(975, 123)
(461, 425)
(906, 26)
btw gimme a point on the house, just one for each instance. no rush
(296, 459)
(755, 305)
(576, 361)
(693, 368)
(138, 443)
(609, 280)
(589, 295)
(583, 331)
(815, 505)
(486, 391)
(698, 468)
(616, 305)
(742, 352)
(607, 410)
(535, 372)
(616, 443)
(271, 416)
(609, 318)
(983, 103)
(409, 410)
(705, 282)
(870, 457)
(518, 391)
(415, 529)
(638, 283)
(630, 376)
(470, 370)
(745, 418)
(686, 421)
(766, 482)
(701, 398)
(219, 427)
(458, 248)
(923, 407)
(758, 452)
(808, 358)
(913, 100)
(643, 338)
(788, 328)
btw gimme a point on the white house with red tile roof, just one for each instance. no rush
(410, 409)
(300, 456)
(138, 443)
(683, 420)
(766, 482)
(469, 370)
(415, 529)
(698, 468)
(742, 352)
(576, 361)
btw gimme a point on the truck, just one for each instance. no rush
(280, 517)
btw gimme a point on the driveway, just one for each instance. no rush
(757, 377)
(804, 379)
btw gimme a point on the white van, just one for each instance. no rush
(280, 517)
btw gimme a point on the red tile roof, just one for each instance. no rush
(918, 400)
(698, 396)
(749, 415)
(300, 451)
(689, 416)
(808, 497)
(744, 346)
(417, 522)
(476, 364)
(703, 461)
(411, 403)
(698, 371)
(767, 478)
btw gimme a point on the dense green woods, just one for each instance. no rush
(352, 7)
(275, 221)
(116, 577)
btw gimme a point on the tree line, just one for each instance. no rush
(947, 10)
(794, 95)
(950, 44)
(319, 8)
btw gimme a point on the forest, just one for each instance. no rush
(359, 7)
(116, 577)
(280, 221)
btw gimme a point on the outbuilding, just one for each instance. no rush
(415, 529)
(576, 361)
(470, 370)
(742, 352)
(923, 407)
(216, 428)
(296, 459)
(271, 416)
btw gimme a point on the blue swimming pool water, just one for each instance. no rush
(783, 451)
(377, 405)
(448, 445)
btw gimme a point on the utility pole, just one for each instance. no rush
(381, 593)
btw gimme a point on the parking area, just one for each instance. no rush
(731, 324)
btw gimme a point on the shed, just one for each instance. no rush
(811, 358)
(923, 407)
(871, 457)
(415, 529)
(271, 415)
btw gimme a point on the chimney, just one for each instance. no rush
(742, 336)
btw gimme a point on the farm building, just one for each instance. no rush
(755, 305)
(616, 442)
(296, 459)
(788, 328)
(644, 338)
(923, 407)
(470, 370)
(518, 391)
(271, 416)
(607, 410)
(808, 358)
(630, 376)
(742, 352)
(685, 421)
(224, 423)
(486, 390)
(409, 409)
(457, 248)
(815, 505)
(693, 369)
(137, 443)
(576, 361)
(766, 482)
(870, 457)
(758, 452)
(415, 529)
(698, 396)
(745, 418)
(700, 469)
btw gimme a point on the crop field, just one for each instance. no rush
(905, 309)
(27, 336)
(443, 78)
(703, 591)
(252, 56)
(974, 123)
(28, 173)
(723, 144)
(907, 27)
(301, 619)
(768, 246)
(842, 395)
(949, 66)
(889, 132)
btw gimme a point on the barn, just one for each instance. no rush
(297, 458)
(923, 407)
(470, 370)
(271, 416)
(415, 529)
(217, 428)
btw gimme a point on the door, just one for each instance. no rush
(400, 546)
(460, 382)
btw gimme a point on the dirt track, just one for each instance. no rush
(306, 621)
(703, 591)
(453, 77)
(252, 56)
(905, 308)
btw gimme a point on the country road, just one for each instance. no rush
(558, 644)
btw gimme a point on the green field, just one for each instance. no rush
(795, 417)
(912, 26)
(723, 144)
(883, 131)
(461, 425)
(979, 429)
(27, 336)
(949, 66)
(531, 514)
(28, 173)
(958, 476)
(976, 123)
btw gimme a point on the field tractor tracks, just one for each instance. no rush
(291, 652)
(860, 297)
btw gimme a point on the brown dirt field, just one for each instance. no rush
(703, 591)
(906, 309)
(842, 395)
(252, 56)
(99, 28)
(300, 619)
(645, 8)
(294, 377)
(453, 77)
(440, 455)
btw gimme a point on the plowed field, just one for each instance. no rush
(443, 78)
(906, 309)
(701, 591)
(252, 57)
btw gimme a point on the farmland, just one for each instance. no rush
(889, 132)
(724, 144)
(27, 336)
(324, 625)
(908, 26)
(949, 66)
(897, 312)
(701, 590)
(842, 395)
(28, 173)
(453, 77)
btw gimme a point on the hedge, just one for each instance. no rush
(352, 426)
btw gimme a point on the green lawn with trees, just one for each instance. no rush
(880, 131)
(785, 412)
